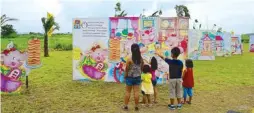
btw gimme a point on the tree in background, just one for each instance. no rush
(182, 11)
(156, 14)
(118, 11)
(5, 19)
(7, 30)
(49, 26)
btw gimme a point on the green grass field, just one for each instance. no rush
(221, 85)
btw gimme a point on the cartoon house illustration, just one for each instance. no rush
(219, 44)
(206, 46)
(234, 43)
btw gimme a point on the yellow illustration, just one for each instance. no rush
(76, 53)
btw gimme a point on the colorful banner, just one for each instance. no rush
(252, 43)
(15, 65)
(236, 44)
(173, 32)
(223, 44)
(90, 56)
(201, 45)
(106, 59)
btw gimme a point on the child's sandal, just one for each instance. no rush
(125, 108)
(136, 108)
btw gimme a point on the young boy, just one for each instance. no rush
(188, 81)
(175, 77)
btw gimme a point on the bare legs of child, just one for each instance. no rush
(147, 100)
(155, 94)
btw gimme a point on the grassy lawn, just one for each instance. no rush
(221, 85)
(21, 41)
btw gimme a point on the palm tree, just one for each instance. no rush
(118, 11)
(48, 23)
(5, 19)
(155, 14)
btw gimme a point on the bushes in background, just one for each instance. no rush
(62, 47)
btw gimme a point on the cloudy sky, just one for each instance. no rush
(236, 15)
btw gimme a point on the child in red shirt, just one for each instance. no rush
(188, 81)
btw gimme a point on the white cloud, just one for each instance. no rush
(229, 14)
(52, 6)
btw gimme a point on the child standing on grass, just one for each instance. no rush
(154, 72)
(175, 77)
(188, 81)
(146, 85)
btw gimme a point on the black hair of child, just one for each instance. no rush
(146, 69)
(154, 64)
(189, 63)
(175, 52)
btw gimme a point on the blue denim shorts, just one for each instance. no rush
(154, 82)
(131, 81)
(187, 91)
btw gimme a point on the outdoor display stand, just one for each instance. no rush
(16, 64)
(33, 61)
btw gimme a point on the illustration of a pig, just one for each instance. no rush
(96, 53)
(13, 60)
(148, 36)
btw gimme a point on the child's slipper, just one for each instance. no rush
(150, 105)
(183, 102)
(188, 102)
(125, 108)
(136, 108)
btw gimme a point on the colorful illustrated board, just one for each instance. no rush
(223, 44)
(236, 44)
(201, 45)
(252, 43)
(104, 57)
(90, 48)
(123, 33)
(173, 32)
(16, 64)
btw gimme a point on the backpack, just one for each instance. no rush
(134, 70)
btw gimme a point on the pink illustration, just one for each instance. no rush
(12, 59)
(93, 72)
(172, 42)
(98, 55)
(252, 48)
(148, 36)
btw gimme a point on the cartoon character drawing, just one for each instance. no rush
(172, 42)
(125, 47)
(119, 72)
(11, 68)
(252, 48)
(143, 48)
(148, 36)
(77, 24)
(94, 64)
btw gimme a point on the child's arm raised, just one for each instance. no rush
(156, 53)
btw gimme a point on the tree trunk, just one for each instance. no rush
(46, 50)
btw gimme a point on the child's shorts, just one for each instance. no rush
(131, 81)
(154, 82)
(175, 88)
(187, 91)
